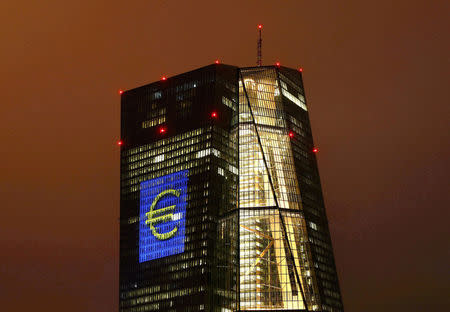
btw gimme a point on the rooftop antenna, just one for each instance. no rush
(259, 55)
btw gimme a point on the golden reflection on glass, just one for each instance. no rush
(269, 123)
(267, 277)
(269, 255)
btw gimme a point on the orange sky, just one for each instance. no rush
(376, 75)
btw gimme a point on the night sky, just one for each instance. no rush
(376, 75)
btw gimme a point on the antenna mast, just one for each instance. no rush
(259, 54)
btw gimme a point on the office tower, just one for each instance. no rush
(221, 204)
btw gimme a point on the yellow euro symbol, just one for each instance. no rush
(153, 219)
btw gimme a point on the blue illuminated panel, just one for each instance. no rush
(162, 216)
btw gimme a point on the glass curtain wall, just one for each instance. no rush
(275, 262)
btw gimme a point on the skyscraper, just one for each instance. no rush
(221, 203)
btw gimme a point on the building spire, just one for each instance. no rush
(259, 53)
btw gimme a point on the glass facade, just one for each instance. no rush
(221, 207)
(189, 168)
(275, 270)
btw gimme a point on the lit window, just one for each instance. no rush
(159, 158)
(293, 99)
(228, 103)
(215, 152)
(153, 122)
(203, 153)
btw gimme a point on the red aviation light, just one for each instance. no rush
(120, 142)
(163, 78)
(277, 64)
(217, 62)
(300, 69)
(260, 26)
(291, 134)
(315, 150)
(120, 92)
(214, 114)
(162, 130)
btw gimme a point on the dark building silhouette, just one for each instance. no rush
(221, 204)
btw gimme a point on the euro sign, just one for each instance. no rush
(159, 216)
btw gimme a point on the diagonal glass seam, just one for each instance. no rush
(260, 143)
(289, 142)
(306, 235)
(275, 197)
